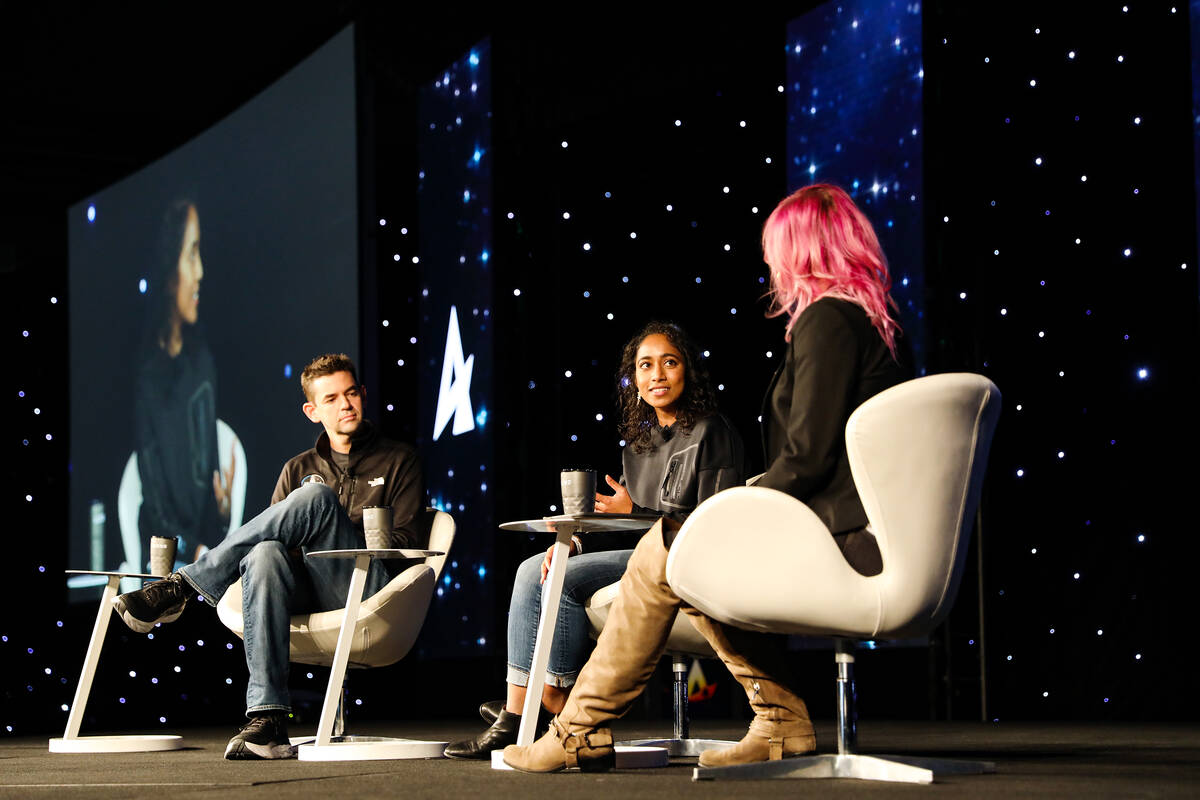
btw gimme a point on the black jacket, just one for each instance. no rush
(381, 472)
(835, 361)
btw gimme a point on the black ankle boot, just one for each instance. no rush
(502, 733)
(490, 710)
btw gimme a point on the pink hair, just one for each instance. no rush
(818, 244)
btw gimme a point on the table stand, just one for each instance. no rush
(71, 741)
(564, 527)
(326, 746)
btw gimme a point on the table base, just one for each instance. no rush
(130, 743)
(370, 748)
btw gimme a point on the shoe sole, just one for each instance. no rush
(141, 626)
(537, 771)
(241, 750)
(462, 757)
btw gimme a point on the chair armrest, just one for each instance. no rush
(759, 559)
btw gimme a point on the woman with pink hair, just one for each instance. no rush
(829, 278)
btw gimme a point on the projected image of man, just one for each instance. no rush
(317, 505)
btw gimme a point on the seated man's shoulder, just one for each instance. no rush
(396, 448)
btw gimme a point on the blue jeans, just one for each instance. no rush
(586, 574)
(277, 584)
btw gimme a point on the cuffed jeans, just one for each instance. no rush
(277, 584)
(586, 574)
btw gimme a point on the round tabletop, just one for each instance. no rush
(593, 522)
(118, 574)
(376, 553)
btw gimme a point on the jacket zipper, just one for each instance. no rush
(666, 485)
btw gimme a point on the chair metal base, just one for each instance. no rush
(128, 743)
(899, 769)
(369, 748)
(628, 757)
(681, 748)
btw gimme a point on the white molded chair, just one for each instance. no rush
(384, 631)
(682, 642)
(129, 502)
(918, 452)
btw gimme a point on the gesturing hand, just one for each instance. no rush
(618, 502)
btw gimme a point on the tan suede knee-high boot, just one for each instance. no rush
(625, 657)
(781, 726)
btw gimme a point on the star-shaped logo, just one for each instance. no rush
(454, 396)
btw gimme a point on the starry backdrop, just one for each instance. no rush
(1059, 235)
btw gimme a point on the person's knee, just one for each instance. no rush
(528, 581)
(531, 569)
(317, 498)
(314, 492)
(265, 557)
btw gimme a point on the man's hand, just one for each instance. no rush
(618, 502)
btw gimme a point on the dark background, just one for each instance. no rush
(89, 98)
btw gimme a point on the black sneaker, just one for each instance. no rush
(264, 736)
(160, 601)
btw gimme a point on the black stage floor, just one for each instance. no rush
(1032, 760)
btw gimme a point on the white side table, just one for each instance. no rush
(564, 527)
(327, 747)
(71, 741)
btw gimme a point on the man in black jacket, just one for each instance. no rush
(317, 505)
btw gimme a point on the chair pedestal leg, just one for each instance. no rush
(682, 745)
(847, 712)
(339, 722)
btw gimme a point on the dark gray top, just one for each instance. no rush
(684, 469)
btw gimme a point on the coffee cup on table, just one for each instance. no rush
(578, 491)
(162, 555)
(377, 526)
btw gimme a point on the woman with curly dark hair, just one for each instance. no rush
(679, 450)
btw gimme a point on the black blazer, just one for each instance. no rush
(835, 361)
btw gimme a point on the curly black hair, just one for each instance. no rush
(697, 401)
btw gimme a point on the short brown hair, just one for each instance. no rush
(324, 365)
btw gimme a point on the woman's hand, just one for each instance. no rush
(618, 502)
(550, 557)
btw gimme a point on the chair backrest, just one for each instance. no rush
(230, 453)
(918, 452)
(129, 504)
(441, 537)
